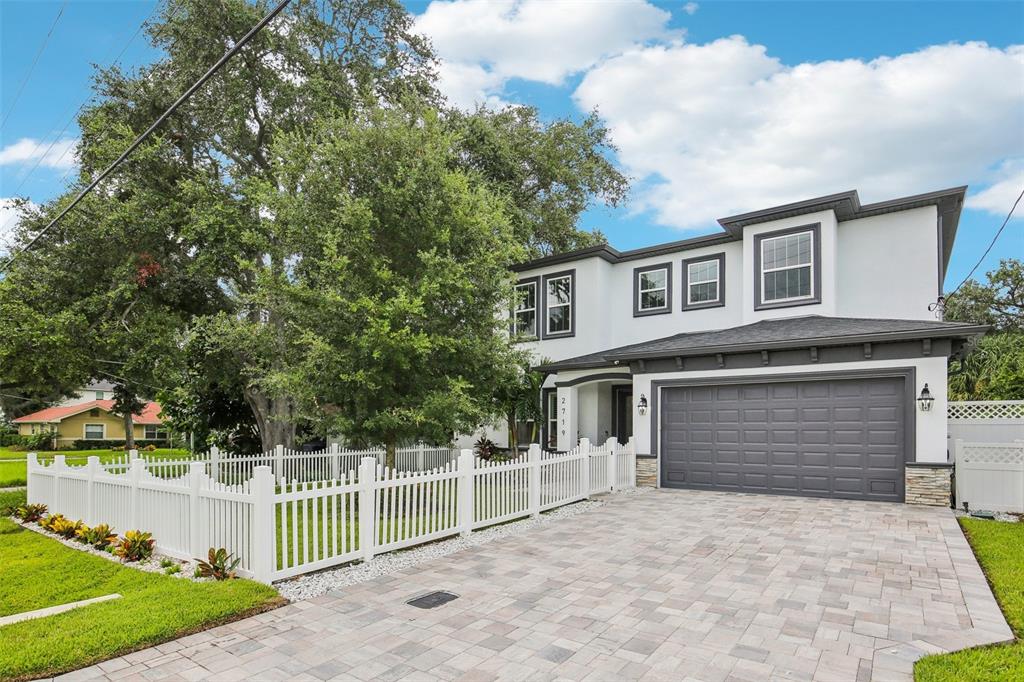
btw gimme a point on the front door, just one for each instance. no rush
(623, 418)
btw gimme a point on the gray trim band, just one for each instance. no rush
(609, 376)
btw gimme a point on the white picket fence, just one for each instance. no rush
(280, 528)
(990, 476)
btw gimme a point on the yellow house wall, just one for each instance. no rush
(73, 428)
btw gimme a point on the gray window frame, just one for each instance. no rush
(637, 272)
(687, 262)
(815, 298)
(535, 281)
(571, 274)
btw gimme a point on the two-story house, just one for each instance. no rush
(794, 352)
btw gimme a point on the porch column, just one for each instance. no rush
(567, 404)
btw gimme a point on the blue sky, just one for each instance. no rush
(716, 107)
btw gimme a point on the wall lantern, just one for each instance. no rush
(925, 400)
(641, 405)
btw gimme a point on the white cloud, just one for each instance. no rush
(27, 151)
(725, 127)
(9, 217)
(998, 197)
(484, 43)
(691, 8)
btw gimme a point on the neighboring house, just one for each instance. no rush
(785, 354)
(96, 390)
(92, 420)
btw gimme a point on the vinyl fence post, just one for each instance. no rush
(57, 468)
(279, 473)
(264, 538)
(419, 456)
(585, 466)
(135, 477)
(215, 463)
(91, 468)
(31, 467)
(335, 462)
(195, 472)
(631, 452)
(367, 507)
(533, 457)
(466, 506)
(133, 454)
(612, 444)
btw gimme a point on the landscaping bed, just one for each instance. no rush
(999, 547)
(39, 572)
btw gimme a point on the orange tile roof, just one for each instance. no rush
(150, 412)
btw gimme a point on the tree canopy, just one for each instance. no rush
(315, 235)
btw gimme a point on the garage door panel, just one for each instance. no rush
(831, 438)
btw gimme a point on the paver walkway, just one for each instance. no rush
(669, 585)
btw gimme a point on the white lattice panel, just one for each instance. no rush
(985, 409)
(993, 453)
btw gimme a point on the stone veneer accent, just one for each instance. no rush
(928, 484)
(647, 472)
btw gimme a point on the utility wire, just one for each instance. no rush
(163, 117)
(35, 61)
(81, 107)
(991, 243)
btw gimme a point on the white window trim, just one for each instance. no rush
(765, 270)
(515, 313)
(548, 307)
(640, 291)
(85, 431)
(717, 280)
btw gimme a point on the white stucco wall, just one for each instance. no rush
(888, 265)
(930, 431)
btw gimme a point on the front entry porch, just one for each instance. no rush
(597, 407)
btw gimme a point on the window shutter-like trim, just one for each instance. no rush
(637, 272)
(720, 257)
(815, 230)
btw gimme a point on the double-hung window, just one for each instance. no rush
(652, 289)
(525, 311)
(154, 432)
(94, 432)
(705, 282)
(559, 299)
(787, 267)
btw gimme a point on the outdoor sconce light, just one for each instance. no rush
(925, 400)
(641, 405)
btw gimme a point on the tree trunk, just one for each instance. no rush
(275, 419)
(513, 432)
(129, 431)
(390, 454)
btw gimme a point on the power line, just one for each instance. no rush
(991, 244)
(163, 117)
(35, 61)
(25, 178)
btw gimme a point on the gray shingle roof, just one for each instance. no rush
(781, 333)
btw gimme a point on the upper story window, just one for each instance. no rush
(559, 304)
(524, 315)
(705, 282)
(652, 289)
(99, 395)
(787, 267)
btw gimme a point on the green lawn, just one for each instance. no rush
(999, 547)
(12, 463)
(39, 572)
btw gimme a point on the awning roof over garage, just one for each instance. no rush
(792, 332)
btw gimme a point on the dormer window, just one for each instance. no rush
(560, 304)
(705, 282)
(524, 314)
(787, 267)
(652, 290)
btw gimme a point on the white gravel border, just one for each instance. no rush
(315, 584)
(151, 565)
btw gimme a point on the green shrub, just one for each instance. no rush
(135, 546)
(38, 441)
(172, 569)
(166, 563)
(219, 565)
(100, 536)
(30, 513)
(485, 448)
(66, 528)
(83, 444)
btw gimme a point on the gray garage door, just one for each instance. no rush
(836, 438)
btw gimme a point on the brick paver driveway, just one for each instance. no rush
(667, 585)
